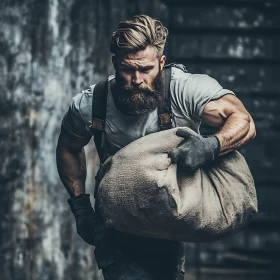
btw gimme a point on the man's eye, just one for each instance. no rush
(127, 70)
(146, 71)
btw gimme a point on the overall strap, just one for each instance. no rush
(164, 110)
(99, 108)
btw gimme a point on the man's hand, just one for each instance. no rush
(86, 218)
(195, 151)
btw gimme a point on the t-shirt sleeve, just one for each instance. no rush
(193, 91)
(77, 120)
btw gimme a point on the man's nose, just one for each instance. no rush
(137, 79)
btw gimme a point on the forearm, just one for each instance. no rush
(71, 167)
(236, 131)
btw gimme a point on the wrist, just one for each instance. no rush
(213, 145)
(77, 193)
(218, 147)
(81, 201)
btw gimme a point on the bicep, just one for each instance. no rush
(216, 112)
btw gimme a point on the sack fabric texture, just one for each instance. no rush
(143, 193)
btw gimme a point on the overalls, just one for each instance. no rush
(144, 258)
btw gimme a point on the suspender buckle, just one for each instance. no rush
(165, 118)
(97, 124)
(165, 121)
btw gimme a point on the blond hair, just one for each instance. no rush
(137, 34)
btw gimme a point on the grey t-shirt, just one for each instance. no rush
(189, 95)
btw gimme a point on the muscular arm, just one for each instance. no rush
(237, 126)
(71, 162)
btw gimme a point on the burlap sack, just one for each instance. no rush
(143, 193)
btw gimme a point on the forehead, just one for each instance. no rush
(147, 56)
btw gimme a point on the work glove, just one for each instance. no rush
(86, 219)
(195, 152)
(92, 230)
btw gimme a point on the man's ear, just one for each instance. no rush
(162, 61)
(114, 62)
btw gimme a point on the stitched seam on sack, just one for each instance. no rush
(164, 186)
(223, 210)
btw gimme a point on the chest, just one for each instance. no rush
(120, 130)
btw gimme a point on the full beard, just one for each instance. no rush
(135, 101)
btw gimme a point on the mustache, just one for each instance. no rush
(135, 100)
(141, 88)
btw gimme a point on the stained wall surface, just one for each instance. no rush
(237, 42)
(51, 49)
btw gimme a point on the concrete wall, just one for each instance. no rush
(237, 43)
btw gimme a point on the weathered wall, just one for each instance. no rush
(48, 52)
(51, 49)
(237, 43)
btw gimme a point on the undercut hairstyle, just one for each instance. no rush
(137, 34)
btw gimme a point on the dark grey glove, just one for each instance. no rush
(93, 231)
(195, 151)
(86, 218)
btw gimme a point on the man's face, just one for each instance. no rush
(139, 82)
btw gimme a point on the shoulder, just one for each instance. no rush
(82, 102)
(195, 86)
(191, 92)
(186, 79)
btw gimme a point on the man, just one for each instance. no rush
(134, 94)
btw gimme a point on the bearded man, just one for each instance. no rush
(134, 95)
